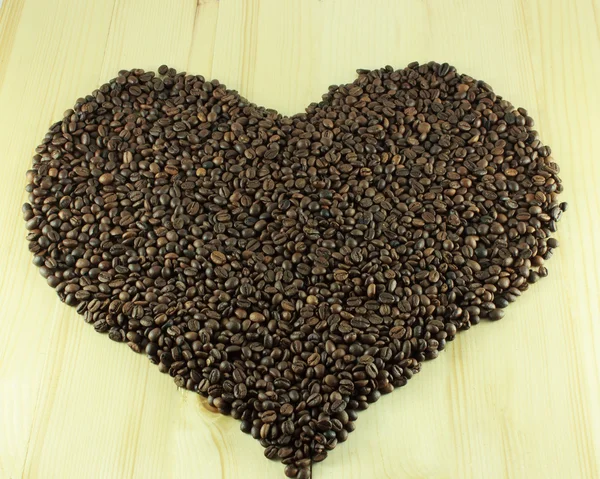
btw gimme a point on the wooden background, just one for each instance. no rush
(515, 399)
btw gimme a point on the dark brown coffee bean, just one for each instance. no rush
(240, 391)
(271, 452)
(304, 473)
(337, 406)
(314, 400)
(269, 417)
(288, 427)
(291, 471)
(286, 409)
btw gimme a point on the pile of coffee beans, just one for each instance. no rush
(292, 269)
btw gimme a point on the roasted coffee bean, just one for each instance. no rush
(292, 269)
(271, 452)
(218, 258)
(291, 471)
(269, 417)
(240, 391)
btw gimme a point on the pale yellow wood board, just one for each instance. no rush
(517, 399)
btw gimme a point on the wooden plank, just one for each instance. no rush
(519, 398)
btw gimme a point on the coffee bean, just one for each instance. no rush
(533, 277)
(340, 275)
(288, 427)
(240, 391)
(218, 258)
(371, 370)
(257, 317)
(501, 302)
(106, 179)
(269, 417)
(271, 452)
(337, 406)
(304, 473)
(292, 269)
(286, 409)
(314, 400)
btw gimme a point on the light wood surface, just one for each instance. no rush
(519, 398)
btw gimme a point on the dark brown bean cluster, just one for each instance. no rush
(292, 269)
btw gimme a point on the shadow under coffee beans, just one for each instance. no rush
(292, 269)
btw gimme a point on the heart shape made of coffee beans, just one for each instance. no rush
(292, 269)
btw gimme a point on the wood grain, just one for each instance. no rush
(514, 399)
